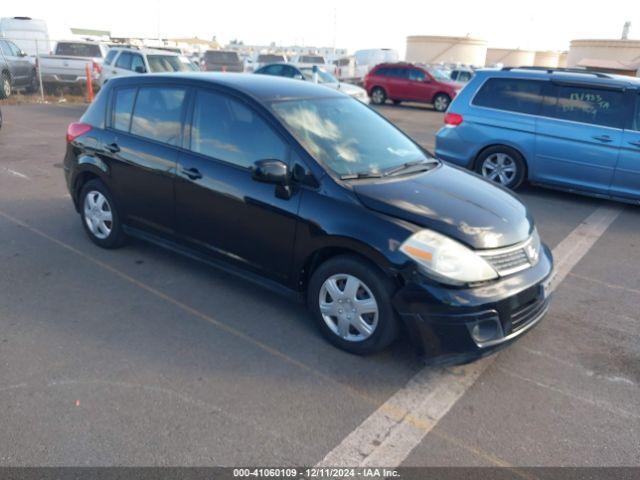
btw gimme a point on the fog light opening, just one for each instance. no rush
(484, 331)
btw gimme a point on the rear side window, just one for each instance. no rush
(122, 108)
(110, 56)
(589, 105)
(124, 61)
(228, 130)
(157, 114)
(511, 94)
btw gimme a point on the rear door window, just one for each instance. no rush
(137, 61)
(122, 108)
(226, 129)
(416, 75)
(589, 105)
(511, 94)
(158, 114)
(124, 61)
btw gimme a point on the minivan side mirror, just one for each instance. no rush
(270, 171)
(140, 69)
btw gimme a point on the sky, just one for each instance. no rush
(533, 24)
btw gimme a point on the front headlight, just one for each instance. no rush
(446, 260)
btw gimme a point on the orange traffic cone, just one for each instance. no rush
(89, 84)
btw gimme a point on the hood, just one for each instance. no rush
(452, 202)
(351, 89)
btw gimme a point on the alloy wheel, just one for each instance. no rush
(499, 168)
(377, 96)
(98, 214)
(348, 307)
(441, 103)
(6, 87)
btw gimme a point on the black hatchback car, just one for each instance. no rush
(312, 193)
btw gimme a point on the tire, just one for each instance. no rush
(441, 102)
(378, 96)
(369, 308)
(502, 165)
(95, 202)
(397, 102)
(33, 84)
(5, 86)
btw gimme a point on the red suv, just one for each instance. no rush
(407, 82)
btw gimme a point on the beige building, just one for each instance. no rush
(510, 57)
(614, 56)
(437, 49)
(549, 59)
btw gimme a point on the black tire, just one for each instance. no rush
(441, 102)
(378, 96)
(5, 86)
(380, 286)
(397, 102)
(515, 159)
(33, 84)
(116, 238)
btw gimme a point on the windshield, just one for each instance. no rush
(347, 136)
(323, 75)
(169, 63)
(439, 75)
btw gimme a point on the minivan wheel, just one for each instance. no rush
(5, 86)
(99, 215)
(378, 96)
(441, 102)
(351, 303)
(502, 165)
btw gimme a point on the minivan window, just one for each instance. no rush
(228, 130)
(110, 56)
(347, 136)
(157, 114)
(122, 108)
(590, 105)
(137, 61)
(169, 63)
(512, 94)
(124, 61)
(416, 75)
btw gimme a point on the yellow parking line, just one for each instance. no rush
(396, 413)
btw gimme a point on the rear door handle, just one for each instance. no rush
(635, 144)
(603, 138)
(113, 147)
(192, 173)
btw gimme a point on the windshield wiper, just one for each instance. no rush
(358, 175)
(407, 165)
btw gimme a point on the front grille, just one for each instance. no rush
(509, 262)
(523, 315)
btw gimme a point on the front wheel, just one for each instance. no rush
(441, 102)
(378, 96)
(350, 300)
(502, 165)
(5, 86)
(100, 217)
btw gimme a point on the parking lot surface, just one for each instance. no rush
(141, 357)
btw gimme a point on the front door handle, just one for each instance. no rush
(635, 144)
(113, 147)
(192, 173)
(603, 138)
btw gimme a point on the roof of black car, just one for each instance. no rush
(261, 87)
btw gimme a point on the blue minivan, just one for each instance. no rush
(573, 130)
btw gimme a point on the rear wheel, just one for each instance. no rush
(441, 102)
(100, 217)
(378, 96)
(502, 165)
(33, 83)
(5, 85)
(350, 300)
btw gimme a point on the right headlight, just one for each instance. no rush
(446, 260)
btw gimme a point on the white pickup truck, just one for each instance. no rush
(67, 66)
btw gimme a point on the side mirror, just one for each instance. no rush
(270, 171)
(22, 53)
(140, 69)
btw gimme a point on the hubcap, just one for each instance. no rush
(98, 215)
(6, 87)
(377, 96)
(441, 104)
(500, 168)
(348, 307)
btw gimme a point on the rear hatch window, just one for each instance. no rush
(78, 50)
(270, 58)
(221, 57)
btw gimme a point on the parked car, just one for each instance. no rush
(29, 34)
(400, 82)
(462, 75)
(68, 65)
(314, 74)
(312, 194)
(308, 60)
(121, 62)
(568, 130)
(222, 61)
(16, 71)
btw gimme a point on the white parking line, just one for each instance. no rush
(16, 173)
(386, 439)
